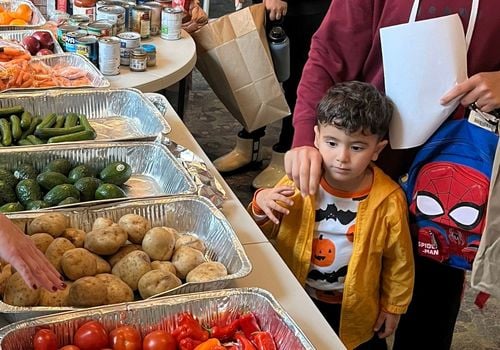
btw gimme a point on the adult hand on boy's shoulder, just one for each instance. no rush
(386, 324)
(267, 200)
(303, 165)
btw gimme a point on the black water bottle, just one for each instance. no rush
(279, 45)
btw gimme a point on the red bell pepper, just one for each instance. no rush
(243, 342)
(189, 344)
(225, 332)
(188, 327)
(210, 344)
(249, 324)
(263, 341)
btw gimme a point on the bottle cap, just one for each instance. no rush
(277, 34)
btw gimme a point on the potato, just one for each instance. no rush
(102, 265)
(159, 243)
(136, 227)
(118, 291)
(101, 223)
(190, 241)
(122, 252)
(87, 291)
(165, 266)
(105, 241)
(56, 250)
(77, 263)
(157, 281)
(52, 223)
(57, 298)
(75, 236)
(207, 271)
(185, 259)
(18, 293)
(131, 268)
(42, 241)
(4, 276)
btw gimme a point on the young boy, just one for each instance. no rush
(350, 244)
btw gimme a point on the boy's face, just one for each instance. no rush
(346, 156)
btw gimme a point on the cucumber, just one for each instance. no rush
(8, 111)
(82, 118)
(47, 121)
(71, 120)
(28, 190)
(24, 142)
(15, 126)
(34, 123)
(46, 133)
(60, 121)
(11, 207)
(26, 119)
(6, 132)
(77, 136)
(34, 140)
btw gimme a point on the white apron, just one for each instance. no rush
(422, 61)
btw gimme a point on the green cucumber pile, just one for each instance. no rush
(21, 128)
(60, 182)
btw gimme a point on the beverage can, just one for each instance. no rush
(87, 46)
(128, 42)
(171, 21)
(156, 9)
(141, 21)
(109, 55)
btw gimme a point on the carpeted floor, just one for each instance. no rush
(215, 130)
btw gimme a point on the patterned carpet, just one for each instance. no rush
(215, 130)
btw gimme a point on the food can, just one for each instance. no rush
(109, 55)
(87, 46)
(62, 31)
(100, 28)
(128, 6)
(114, 14)
(141, 20)
(128, 42)
(79, 20)
(72, 38)
(156, 9)
(171, 21)
(107, 3)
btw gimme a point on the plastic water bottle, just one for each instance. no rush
(279, 45)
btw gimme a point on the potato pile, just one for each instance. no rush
(113, 263)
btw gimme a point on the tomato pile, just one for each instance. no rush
(242, 333)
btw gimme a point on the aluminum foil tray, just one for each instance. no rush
(160, 313)
(18, 35)
(155, 171)
(37, 19)
(193, 215)
(115, 114)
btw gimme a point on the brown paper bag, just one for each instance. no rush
(234, 58)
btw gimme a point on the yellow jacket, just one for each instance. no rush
(380, 273)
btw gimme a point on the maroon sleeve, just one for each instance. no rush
(338, 52)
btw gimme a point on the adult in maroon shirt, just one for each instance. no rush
(347, 47)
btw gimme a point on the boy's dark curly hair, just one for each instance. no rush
(354, 106)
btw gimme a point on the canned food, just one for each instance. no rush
(78, 20)
(109, 55)
(138, 60)
(171, 21)
(107, 3)
(128, 6)
(72, 38)
(100, 28)
(87, 46)
(156, 8)
(62, 31)
(114, 14)
(141, 20)
(128, 42)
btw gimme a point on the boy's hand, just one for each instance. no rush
(386, 324)
(267, 201)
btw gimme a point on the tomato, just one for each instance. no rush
(70, 347)
(159, 340)
(125, 338)
(45, 339)
(90, 336)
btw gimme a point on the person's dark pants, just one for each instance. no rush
(430, 320)
(331, 312)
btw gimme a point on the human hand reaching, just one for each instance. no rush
(276, 8)
(386, 324)
(271, 200)
(303, 166)
(483, 89)
(19, 250)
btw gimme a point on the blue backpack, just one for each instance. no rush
(447, 190)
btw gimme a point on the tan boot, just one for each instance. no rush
(246, 152)
(272, 173)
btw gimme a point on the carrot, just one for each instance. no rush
(19, 80)
(27, 83)
(12, 51)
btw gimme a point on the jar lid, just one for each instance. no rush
(138, 51)
(149, 48)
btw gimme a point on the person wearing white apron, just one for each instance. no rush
(347, 47)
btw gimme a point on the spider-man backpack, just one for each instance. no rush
(447, 191)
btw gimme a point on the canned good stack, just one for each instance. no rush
(110, 33)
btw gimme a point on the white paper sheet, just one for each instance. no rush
(422, 61)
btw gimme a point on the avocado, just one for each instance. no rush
(7, 176)
(69, 200)
(116, 173)
(25, 171)
(87, 187)
(59, 193)
(49, 179)
(28, 190)
(60, 165)
(109, 191)
(34, 205)
(10, 207)
(7, 193)
(79, 172)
